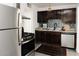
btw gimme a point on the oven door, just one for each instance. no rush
(27, 47)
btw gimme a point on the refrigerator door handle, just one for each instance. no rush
(19, 27)
(19, 42)
(18, 18)
(18, 30)
(19, 37)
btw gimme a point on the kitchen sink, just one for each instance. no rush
(51, 29)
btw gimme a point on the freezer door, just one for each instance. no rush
(8, 17)
(9, 43)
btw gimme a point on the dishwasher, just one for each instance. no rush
(68, 40)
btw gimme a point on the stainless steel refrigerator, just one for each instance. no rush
(10, 31)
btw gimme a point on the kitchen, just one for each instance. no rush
(48, 29)
(53, 24)
(57, 29)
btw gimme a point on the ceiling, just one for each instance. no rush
(52, 4)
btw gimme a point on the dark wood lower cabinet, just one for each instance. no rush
(48, 37)
(51, 43)
(40, 37)
(53, 37)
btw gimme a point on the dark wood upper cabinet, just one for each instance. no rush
(41, 16)
(56, 14)
(44, 16)
(52, 15)
(66, 15)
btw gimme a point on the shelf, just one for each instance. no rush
(24, 17)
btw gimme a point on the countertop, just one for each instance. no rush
(70, 31)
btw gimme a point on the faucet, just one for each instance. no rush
(55, 25)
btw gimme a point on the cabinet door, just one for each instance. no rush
(53, 38)
(43, 37)
(53, 14)
(39, 17)
(37, 36)
(58, 14)
(27, 47)
(42, 17)
(40, 36)
(68, 15)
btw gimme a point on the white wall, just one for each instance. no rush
(35, 23)
(77, 47)
(58, 7)
(10, 4)
(29, 25)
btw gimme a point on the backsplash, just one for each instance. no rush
(59, 24)
(52, 22)
(72, 26)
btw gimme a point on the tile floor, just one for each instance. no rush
(70, 52)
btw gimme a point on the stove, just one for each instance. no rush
(28, 43)
(28, 36)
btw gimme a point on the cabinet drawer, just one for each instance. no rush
(53, 38)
